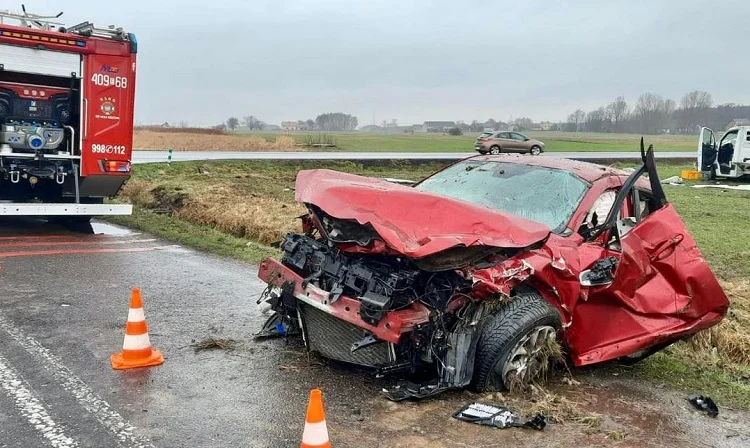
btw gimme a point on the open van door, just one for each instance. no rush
(707, 154)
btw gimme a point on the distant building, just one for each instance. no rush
(390, 129)
(737, 122)
(291, 125)
(436, 126)
(542, 126)
(271, 127)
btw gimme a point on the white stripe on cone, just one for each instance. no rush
(136, 342)
(136, 315)
(315, 433)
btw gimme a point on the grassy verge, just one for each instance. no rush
(418, 142)
(191, 235)
(681, 371)
(238, 209)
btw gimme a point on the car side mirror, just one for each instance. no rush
(602, 273)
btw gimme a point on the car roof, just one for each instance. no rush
(585, 170)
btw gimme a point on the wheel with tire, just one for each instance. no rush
(514, 343)
(495, 149)
(535, 150)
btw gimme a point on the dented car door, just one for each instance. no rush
(659, 289)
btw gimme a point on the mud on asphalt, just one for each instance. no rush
(63, 305)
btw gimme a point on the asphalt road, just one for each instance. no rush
(177, 156)
(63, 303)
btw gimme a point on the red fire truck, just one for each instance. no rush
(66, 116)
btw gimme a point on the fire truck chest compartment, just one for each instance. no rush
(45, 62)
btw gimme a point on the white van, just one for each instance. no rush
(730, 158)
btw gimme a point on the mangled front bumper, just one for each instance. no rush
(293, 289)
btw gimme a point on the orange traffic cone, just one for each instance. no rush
(316, 431)
(136, 348)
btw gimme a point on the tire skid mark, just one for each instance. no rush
(32, 408)
(86, 397)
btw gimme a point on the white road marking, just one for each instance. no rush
(32, 409)
(86, 397)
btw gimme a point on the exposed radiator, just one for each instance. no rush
(333, 338)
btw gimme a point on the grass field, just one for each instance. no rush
(238, 208)
(354, 141)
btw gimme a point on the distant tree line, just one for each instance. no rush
(336, 121)
(519, 124)
(654, 114)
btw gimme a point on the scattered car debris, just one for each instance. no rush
(406, 390)
(724, 187)
(274, 327)
(674, 180)
(497, 416)
(705, 404)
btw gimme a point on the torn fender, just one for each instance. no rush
(551, 269)
(412, 222)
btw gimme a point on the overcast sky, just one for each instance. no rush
(417, 60)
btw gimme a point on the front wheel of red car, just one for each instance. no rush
(535, 150)
(516, 343)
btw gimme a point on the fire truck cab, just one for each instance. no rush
(66, 116)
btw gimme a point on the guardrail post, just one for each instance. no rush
(169, 157)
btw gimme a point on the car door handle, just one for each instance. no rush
(666, 247)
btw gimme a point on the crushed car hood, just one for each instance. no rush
(412, 222)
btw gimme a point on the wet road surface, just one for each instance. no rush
(63, 304)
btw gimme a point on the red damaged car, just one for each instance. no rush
(472, 272)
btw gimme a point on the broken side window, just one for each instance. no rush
(639, 205)
(600, 209)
